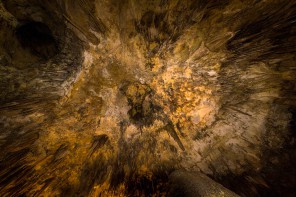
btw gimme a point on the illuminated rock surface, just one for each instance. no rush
(102, 98)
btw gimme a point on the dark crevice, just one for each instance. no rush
(37, 37)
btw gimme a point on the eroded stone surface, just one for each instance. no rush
(140, 88)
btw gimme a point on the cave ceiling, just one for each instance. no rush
(108, 97)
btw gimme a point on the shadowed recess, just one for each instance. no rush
(38, 38)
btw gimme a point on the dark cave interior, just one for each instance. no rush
(147, 98)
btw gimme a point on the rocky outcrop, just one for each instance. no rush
(195, 184)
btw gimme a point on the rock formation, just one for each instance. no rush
(108, 98)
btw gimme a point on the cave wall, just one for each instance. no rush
(109, 97)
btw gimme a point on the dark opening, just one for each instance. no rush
(37, 37)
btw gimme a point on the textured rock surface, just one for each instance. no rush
(194, 184)
(108, 97)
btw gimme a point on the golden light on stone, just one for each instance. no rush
(145, 98)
